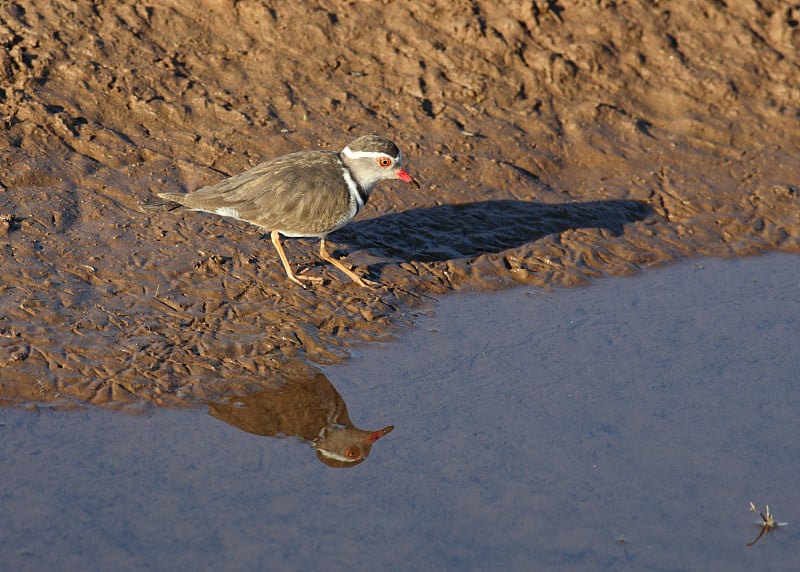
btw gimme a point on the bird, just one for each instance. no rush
(303, 194)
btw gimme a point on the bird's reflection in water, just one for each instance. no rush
(310, 409)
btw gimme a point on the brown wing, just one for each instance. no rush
(302, 193)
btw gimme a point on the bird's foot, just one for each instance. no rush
(365, 282)
(301, 279)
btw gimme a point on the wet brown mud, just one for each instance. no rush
(556, 143)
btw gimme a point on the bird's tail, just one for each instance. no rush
(159, 206)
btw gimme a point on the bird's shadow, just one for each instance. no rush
(450, 232)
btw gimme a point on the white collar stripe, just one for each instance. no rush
(357, 194)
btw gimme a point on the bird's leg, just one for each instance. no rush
(276, 240)
(323, 253)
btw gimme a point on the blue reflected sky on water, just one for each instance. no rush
(622, 426)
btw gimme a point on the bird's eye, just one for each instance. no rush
(384, 162)
(352, 453)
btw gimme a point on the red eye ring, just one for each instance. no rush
(352, 453)
(384, 162)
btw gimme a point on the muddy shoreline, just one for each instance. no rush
(555, 145)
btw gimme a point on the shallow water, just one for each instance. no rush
(626, 425)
